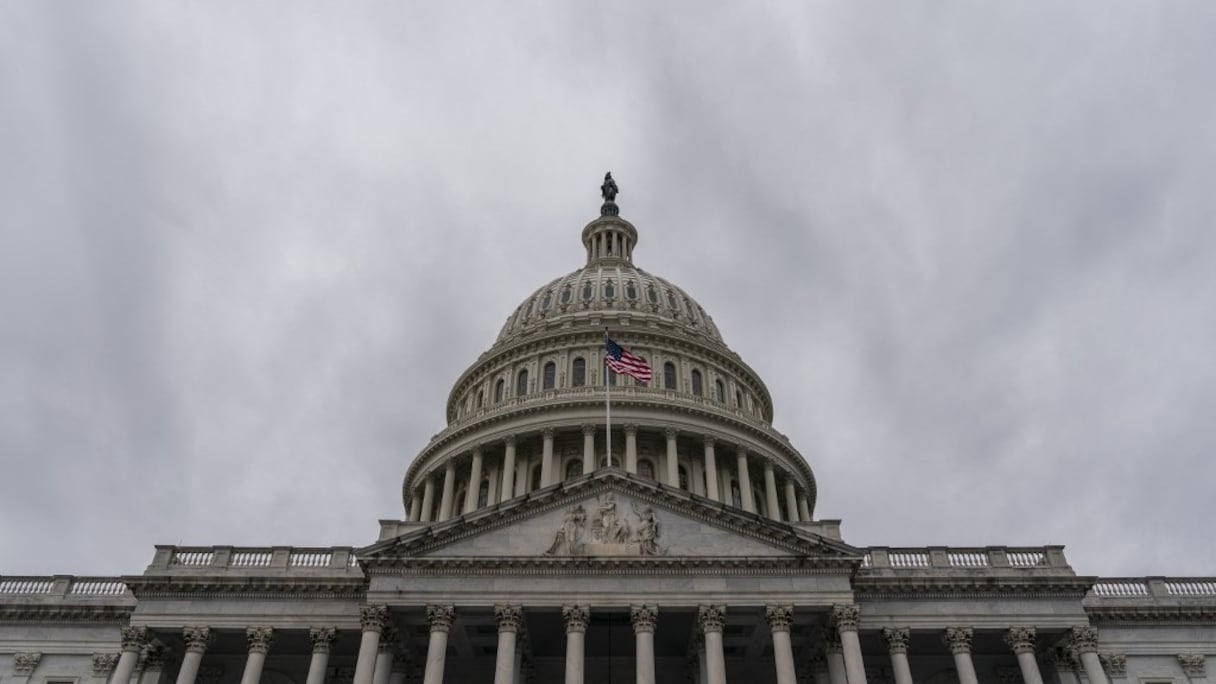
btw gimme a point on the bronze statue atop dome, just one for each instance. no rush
(609, 190)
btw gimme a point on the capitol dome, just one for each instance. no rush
(530, 412)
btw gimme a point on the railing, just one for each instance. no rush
(254, 558)
(1121, 588)
(992, 557)
(1154, 587)
(1191, 587)
(62, 585)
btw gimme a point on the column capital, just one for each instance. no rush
(671, 432)
(372, 618)
(509, 440)
(779, 617)
(631, 430)
(134, 638)
(478, 448)
(1084, 639)
(389, 636)
(846, 616)
(103, 664)
(196, 637)
(1192, 664)
(439, 617)
(1114, 663)
(548, 433)
(711, 618)
(509, 618)
(322, 638)
(155, 656)
(831, 641)
(1021, 639)
(260, 639)
(576, 618)
(896, 639)
(1062, 658)
(588, 429)
(709, 440)
(25, 663)
(958, 639)
(643, 617)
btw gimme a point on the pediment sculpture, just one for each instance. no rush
(609, 533)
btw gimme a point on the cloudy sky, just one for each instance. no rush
(245, 249)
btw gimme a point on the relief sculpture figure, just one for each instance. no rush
(647, 532)
(607, 527)
(569, 538)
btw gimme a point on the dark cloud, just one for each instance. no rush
(245, 250)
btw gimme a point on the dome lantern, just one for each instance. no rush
(609, 239)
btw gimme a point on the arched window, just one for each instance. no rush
(736, 495)
(521, 383)
(646, 469)
(536, 477)
(481, 398)
(578, 377)
(683, 474)
(719, 391)
(550, 375)
(669, 376)
(574, 469)
(498, 391)
(483, 494)
(696, 383)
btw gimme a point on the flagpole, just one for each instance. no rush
(607, 400)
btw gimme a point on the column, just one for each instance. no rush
(779, 619)
(474, 489)
(745, 481)
(155, 656)
(440, 619)
(103, 665)
(1193, 667)
(804, 510)
(846, 617)
(711, 620)
(508, 469)
(576, 625)
(196, 639)
(791, 501)
(643, 619)
(428, 498)
(673, 459)
(818, 666)
(371, 619)
(384, 653)
(711, 472)
(1021, 641)
(770, 492)
(1065, 663)
(24, 665)
(1085, 643)
(400, 668)
(322, 638)
(493, 478)
(449, 489)
(833, 652)
(897, 645)
(702, 673)
(133, 639)
(508, 618)
(588, 449)
(958, 639)
(260, 639)
(546, 459)
(631, 449)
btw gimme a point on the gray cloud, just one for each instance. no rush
(245, 250)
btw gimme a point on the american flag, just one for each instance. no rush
(621, 361)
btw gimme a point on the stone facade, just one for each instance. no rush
(538, 546)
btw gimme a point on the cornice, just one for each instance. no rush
(1151, 614)
(66, 613)
(218, 586)
(920, 587)
(639, 566)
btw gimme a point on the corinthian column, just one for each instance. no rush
(372, 619)
(958, 639)
(791, 500)
(440, 619)
(711, 471)
(847, 616)
(745, 480)
(1021, 642)
(133, 640)
(508, 469)
(897, 646)
(384, 653)
(155, 656)
(546, 458)
(770, 492)
(631, 449)
(508, 618)
(196, 639)
(673, 459)
(428, 498)
(260, 639)
(576, 625)
(322, 639)
(711, 619)
(833, 653)
(449, 490)
(643, 618)
(588, 448)
(474, 490)
(103, 665)
(779, 619)
(1085, 643)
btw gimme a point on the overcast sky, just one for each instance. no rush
(245, 249)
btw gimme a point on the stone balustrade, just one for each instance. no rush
(936, 558)
(62, 586)
(257, 560)
(1154, 587)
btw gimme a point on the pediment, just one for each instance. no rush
(611, 515)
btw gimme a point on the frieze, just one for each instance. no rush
(609, 534)
(66, 613)
(641, 565)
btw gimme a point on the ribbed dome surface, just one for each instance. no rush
(609, 287)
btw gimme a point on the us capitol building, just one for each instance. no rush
(528, 553)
